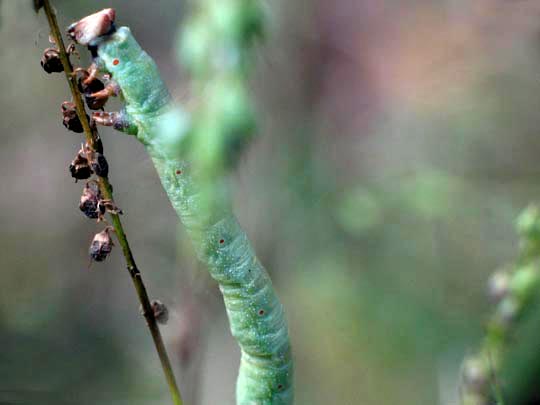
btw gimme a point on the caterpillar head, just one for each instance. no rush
(90, 28)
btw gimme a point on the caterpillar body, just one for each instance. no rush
(256, 316)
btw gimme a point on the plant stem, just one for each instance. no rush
(106, 190)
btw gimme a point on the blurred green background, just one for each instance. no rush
(398, 142)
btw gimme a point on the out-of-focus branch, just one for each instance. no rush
(513, 289)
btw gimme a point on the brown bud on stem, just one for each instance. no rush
(93, 26)
(90, 198)
(88, 88)
(161, 313)
(37, 5)
(79, 167)
(97, 161)
(51, 62)
(70, 119)
(101, 245)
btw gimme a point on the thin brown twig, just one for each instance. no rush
(106, 190)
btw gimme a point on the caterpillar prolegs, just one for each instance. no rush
(256, 316)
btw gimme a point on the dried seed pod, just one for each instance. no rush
(161, 313)
(98, 144)
(80, 167)
(101, 245)
(37, 5)
(104, 206)
(99, 164)
(80, 172)
(97, 161)
(94, 103)
(51, 62)
(87, 30)
(70, 119)
(88, 88)
(90, 199)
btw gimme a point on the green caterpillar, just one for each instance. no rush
(256, 316)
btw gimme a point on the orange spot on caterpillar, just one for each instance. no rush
(179, 172)
(261, 312)
(115, 62)
(222, 241)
